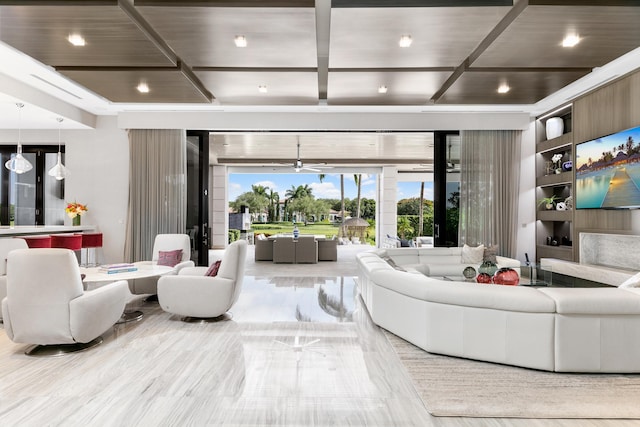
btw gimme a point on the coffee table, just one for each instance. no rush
(95, 278)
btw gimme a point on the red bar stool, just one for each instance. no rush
(67, 241)
(91, 241)
(38, 241)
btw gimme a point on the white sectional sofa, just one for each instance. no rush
(553, 329)
(437, 262)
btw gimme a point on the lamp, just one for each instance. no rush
(17, 163)
(58, 171)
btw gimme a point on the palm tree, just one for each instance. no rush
(342, 205)
(259, 190)
(274, 199)
(421, 210)
(358, 179)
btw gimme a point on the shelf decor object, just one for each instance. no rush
(555, 127)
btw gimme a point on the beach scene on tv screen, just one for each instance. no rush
(608, 171)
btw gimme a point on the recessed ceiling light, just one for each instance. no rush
(240, 41)
(504, 88)
(262, 89)
(143, 88)
(76, 40)
(571, 40)
(382, 89)
(405, 41)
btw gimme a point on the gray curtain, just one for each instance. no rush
(489, 188)
(157, 189)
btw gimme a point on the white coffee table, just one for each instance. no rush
(95, 278)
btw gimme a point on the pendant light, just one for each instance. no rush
(17, 163)
(59, 171)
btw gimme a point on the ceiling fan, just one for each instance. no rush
(451, 166)
(299, 166)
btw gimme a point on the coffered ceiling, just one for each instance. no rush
(308, 52)
(305, 54)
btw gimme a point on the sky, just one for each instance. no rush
(593, 149)
(329, 189)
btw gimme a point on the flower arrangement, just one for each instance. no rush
(75, 209)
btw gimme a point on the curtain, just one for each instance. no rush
(489, 188)
(157, 189)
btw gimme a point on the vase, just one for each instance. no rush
(76, 220)
(506, 276)
(555, 127)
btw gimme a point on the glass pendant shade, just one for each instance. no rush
(18, 163)
(59, 171)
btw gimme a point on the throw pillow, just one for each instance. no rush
(471, 255)
(631, 282)
(490, 253)
(213, 269)
(169, 258)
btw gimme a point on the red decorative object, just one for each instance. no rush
(506, 276)
(484, 278)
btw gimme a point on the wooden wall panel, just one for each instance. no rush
(604, 111)
(610, 109)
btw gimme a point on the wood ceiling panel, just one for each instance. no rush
(204, 36)
(241, 87)
(165, 85)
(112, 39)
(527, 87)
(442, 37)
(534, 38)
(403, 88)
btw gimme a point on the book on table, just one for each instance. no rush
(117, 268)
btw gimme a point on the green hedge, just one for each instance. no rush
(233, 235)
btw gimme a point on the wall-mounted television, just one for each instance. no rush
(608, 172)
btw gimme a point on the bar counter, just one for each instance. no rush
(25, 230)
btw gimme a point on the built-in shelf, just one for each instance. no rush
(559, 252)
(563, 141)
(555, 215)
(554, 224)
(564, 178)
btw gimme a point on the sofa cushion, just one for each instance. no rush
(212, 271)
(611, 301)
(631, 282)
(509, 298)
(169, 258)
(472, 255)
(490, 253)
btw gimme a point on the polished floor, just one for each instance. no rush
(300, 351)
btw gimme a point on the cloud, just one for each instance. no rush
(326, 190)
(235, 190)
(268, 184)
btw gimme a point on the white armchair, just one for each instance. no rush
(7, 245)
(194, 295)
(47, 306)
(164, 243)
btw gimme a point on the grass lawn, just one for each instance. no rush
(318, 228)
(270, 228)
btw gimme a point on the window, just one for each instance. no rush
(32, 198)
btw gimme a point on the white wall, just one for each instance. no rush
(99, 164)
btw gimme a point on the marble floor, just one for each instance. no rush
(300, 350)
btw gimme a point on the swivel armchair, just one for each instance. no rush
(7, 245)
(164, 243)
(204, 298)
(47, 306)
